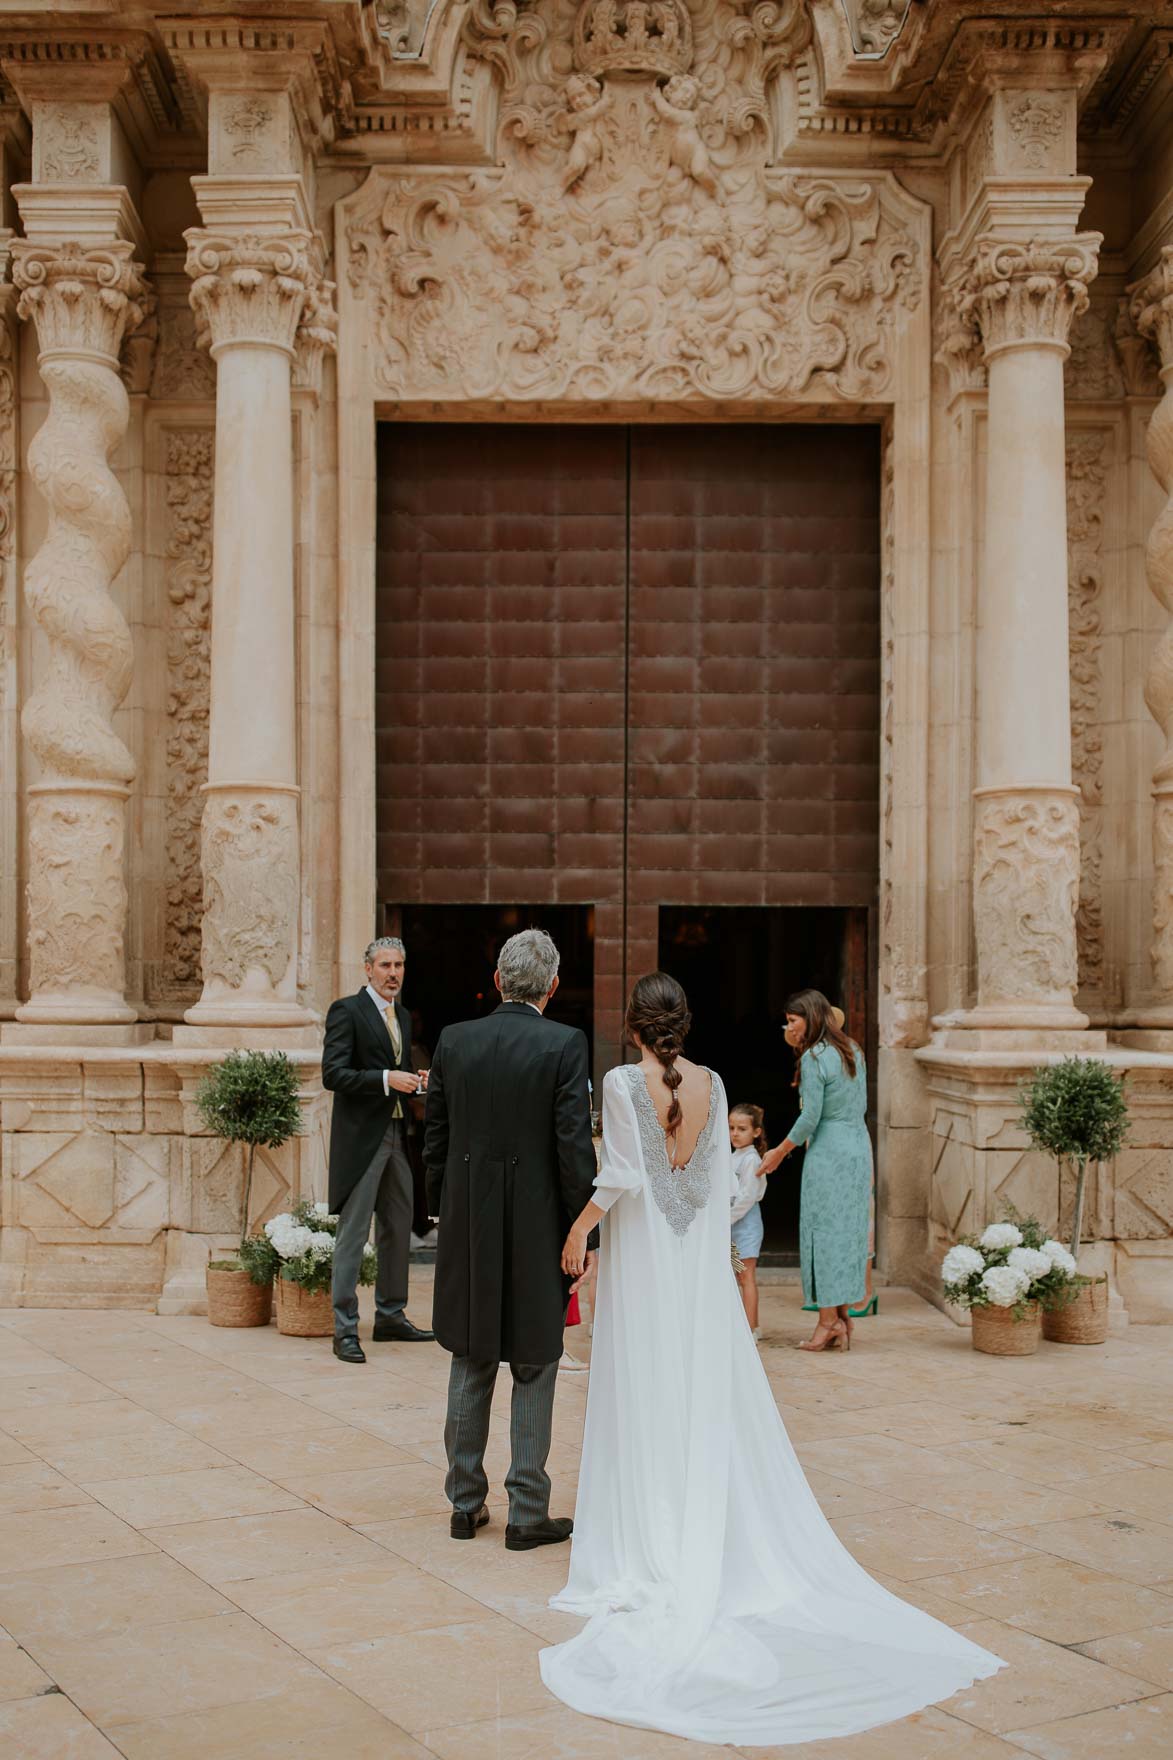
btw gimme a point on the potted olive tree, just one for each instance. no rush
(249, 1098)
(1075, 1111)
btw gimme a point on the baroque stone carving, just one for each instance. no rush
(1088, 455)
(875, 23)
(250, 858)
(676, 264)
(248, 288)
(69, 149)
(83, 301)
(1026, 880)
(246, 122)
(1036, 125)
(189, 466)
(1152, 313)
(182, 369)
(1016, 292)
(1092, 372)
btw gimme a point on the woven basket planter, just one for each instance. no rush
(1083, 1321)
(303, 1313)
(235, 1300)
(999, 1334)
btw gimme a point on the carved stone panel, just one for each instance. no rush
(189, 467)
(1088, 460)
(634, 242)
(1026, 879)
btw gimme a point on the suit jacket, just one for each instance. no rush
(356, 1052)
(510, 1164)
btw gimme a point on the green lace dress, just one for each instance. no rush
(836, 1178)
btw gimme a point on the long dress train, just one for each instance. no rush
(721, 1605)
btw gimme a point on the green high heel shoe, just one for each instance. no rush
(872, 1307)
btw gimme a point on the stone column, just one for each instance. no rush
(83, 299)
(1151, 309)
(1023, 296)
(250, 292)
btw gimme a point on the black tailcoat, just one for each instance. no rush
(356, 1052)
(510, 1164)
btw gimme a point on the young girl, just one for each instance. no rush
(747, 1139)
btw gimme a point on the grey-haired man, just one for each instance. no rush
(366, 1064)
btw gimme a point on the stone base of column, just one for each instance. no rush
(993, 1029)
(300, 1033)
(77, 1032)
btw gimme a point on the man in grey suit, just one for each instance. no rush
(510, 1164)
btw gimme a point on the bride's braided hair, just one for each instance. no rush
(658, 1012)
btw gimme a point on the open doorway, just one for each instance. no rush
(738, 964)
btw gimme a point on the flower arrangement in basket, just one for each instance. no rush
(1005, 1276)
(302, 1240)
(252, 1098)
(1076, 1112)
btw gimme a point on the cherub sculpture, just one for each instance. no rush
(676, 102)
(587, 102)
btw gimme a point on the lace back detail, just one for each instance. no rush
(680, 1193)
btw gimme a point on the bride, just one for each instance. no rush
(720, 1603)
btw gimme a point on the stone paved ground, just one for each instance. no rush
(225, 1546)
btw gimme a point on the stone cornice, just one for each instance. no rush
(244, 54)
(102, 61)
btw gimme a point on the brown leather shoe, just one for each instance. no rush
(465, 1523)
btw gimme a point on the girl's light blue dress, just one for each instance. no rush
(836, 1178)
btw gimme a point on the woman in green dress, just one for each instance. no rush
(837, 1174)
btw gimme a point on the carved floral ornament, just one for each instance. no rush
(634, 242)
(1015, 293)
(256, 289)
(1026, 881)
(83, 299)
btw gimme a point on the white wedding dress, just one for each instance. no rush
(721, 1604)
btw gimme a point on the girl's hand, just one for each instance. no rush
(574, 1253)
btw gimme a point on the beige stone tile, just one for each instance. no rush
(193, 1496)
(920, 1594)
(50, 1729)
(931, 1424)
(109, 1595)
(323, 1722)
(20, 1677)
(881, 1462)
(1142, 1731)
(165, 1450)
(312, 1611)
(199, 1383)
(561, 1734)
(1146, 1654)
(824, 1426)
(839, 1497)
(68, 1536)
(191, 1665)
(237, 1547)
(1116, 1431)
(20, 1357)
(1036, 1456)
(1146, 1491)
(46, 1426)
(336, 1449)
(908, 1543)
(33, 1485)
(477, 1669)
(929, 1735)
(1155, 1453)
(995, 1500)
(22, 1393)
(12, 1452)
(256, 1412)
(1042, 1681)
(1127, 1546)
(378, 1494)
(1055, 1598)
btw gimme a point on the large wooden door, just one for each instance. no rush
(628, 667)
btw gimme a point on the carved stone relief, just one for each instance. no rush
(189, 466)
(1037, 123)
(183, 371)
(1093, 372)
(875, 23)
(250, 865)
(634, 243)
(68, 144)
(1026, 877)
(1015, 292)
(1088, 461)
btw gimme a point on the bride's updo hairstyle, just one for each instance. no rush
(658, 1012)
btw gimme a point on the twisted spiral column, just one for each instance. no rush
(83, 301)
(1151, 308)
(1021, 298)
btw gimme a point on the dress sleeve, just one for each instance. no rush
(621, 1167)
(812, 1083)
(748, 1186)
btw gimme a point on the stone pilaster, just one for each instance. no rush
(1151, 310)
(1021, 296)
(252, 292)
(83, 299)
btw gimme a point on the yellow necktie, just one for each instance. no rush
(393, 1032)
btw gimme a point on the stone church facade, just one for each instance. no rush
(242, 242)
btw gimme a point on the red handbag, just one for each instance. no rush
(573, 1317)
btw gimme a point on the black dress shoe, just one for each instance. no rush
(348, 1350)
(399, 1331)
(464, 1525)
(547, 1533)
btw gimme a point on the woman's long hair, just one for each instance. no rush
(658, 1011)
(820, 1027)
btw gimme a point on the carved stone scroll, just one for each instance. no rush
(83, 300)
(1026, 876)
(250, 855)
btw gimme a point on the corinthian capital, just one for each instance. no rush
(249, 288)
(1150, 307)
(1030, 292)
(83, 298)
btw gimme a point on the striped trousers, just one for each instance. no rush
(466, 1435)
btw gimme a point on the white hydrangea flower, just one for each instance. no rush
(960, 1263)
(1005, 1285)
(1001, 1234)
(321, 1245)
(321, 1209)
(293, 1241)
(1058, 1256)
(278, 1224)
(1032, 1263)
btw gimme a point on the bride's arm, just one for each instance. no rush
(574, 1253)
(620, 1170)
